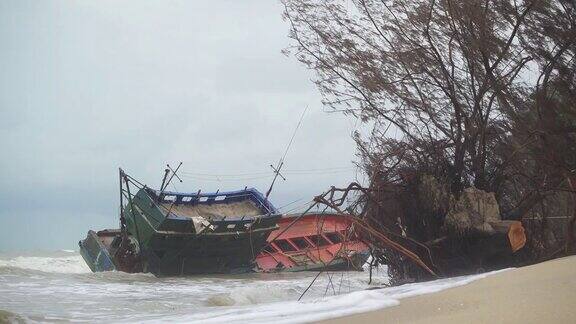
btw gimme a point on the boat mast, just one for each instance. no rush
(166, 183)
(281, 161)
(166, 171)
(122, 218)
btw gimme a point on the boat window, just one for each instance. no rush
(218, 198)
(270, 249)
(319, 240)
(300, 242)
(187, 199)
(334, 237)
(285, 246)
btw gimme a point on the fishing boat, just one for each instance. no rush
(315, 241)
(176, 234)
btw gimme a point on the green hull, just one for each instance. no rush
(96, 254)
(174, 234)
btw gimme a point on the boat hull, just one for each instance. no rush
(313, 242)
(178, 254)
(179, 234)
(96, 253)
(227, 252)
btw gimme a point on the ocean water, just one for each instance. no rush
(59, 287)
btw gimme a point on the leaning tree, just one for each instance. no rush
(457, 91)
(434, 76)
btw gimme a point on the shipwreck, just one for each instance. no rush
(169, 233)
(174, 234)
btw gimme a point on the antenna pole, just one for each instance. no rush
(165, 185)
(164, 179)
(281, 162)
(122, 219)
(174, 171)
(276, 174)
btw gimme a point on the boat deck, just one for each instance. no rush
(229, 210)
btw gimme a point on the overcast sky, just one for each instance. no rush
(90, 86)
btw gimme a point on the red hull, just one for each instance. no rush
(315, 241)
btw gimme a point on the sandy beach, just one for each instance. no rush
(541, 293)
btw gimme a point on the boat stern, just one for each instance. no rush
(95, 253)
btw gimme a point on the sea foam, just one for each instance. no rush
(258, 298)
(321, 308)
(67, 264)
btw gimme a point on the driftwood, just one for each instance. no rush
(478, 211)
(514, 232)
(510, 231)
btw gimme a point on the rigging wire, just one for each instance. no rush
(225, 175)
(253, 175)
(290, 203)
(294, 134)
(299, 207)
(281, 162)
(218, 179)
(227, 179)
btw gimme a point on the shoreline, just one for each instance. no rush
(544, 292)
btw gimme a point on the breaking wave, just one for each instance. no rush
(66, 264)
(9, 317)
(317, 309)
(252, 296)
(31, 282)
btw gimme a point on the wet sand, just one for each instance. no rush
(541, 293)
